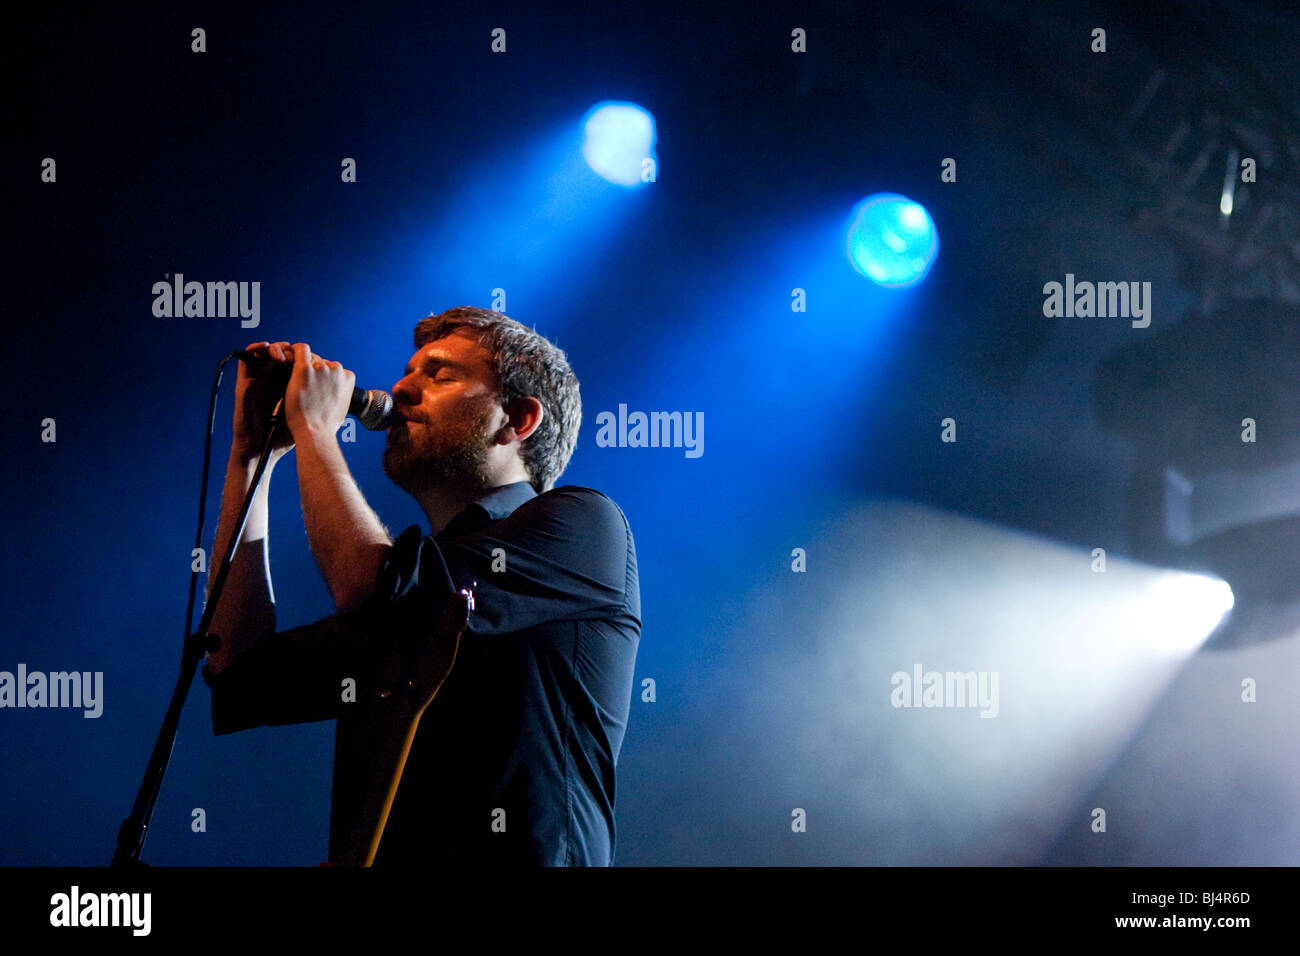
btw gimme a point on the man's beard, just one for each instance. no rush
(438, 460)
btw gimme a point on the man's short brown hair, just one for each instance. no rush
(527, 366)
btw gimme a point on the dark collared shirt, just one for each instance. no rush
(513, 762)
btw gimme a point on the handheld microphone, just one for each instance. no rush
(373, 408)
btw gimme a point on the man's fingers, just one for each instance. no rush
(276, 350)
(302, 355)
(302, 359)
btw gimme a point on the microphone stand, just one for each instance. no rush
(131, 835)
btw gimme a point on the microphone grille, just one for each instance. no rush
(377, 414)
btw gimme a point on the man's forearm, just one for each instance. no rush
(346, 536)
(246, 612)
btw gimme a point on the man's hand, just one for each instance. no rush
(347, 538)
(318, 396)
(255, 398)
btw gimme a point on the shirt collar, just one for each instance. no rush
(494, 505)
(499, 502)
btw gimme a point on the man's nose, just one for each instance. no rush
(404, 392)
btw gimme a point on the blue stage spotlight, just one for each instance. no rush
(617, 140)
(892, 240)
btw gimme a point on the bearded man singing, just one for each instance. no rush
(513, 762)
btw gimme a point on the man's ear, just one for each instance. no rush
(523, 417)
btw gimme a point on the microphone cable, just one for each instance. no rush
(203, 489)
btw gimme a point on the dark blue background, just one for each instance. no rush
(225, 166)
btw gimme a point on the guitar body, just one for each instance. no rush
(373, 743)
